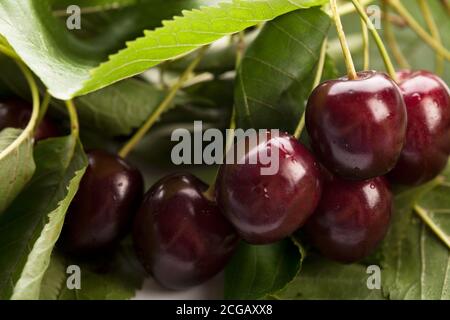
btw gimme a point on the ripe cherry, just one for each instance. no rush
(268, 208)
(104, 207)
(357, 127)
(351, 219)
(16, 113)
(427, 145)
(180, 236)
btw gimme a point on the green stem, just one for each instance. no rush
(423, 214)
(415, 26)
(351, 72)
(32, 124)
(44, 107)
(384, 54)
(428, 16)
(366, 49)
(9, 52)
(137, 137)
(240, 48)
(318, 77)
(391, 40)
(74, 125)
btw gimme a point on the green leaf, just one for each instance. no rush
(416, 262)
(282, 56)
(322, 279)
(31, 225)
(259, 271)
(16, 162)
(67, 65)
(119, 278)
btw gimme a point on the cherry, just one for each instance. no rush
(103, 209)
(268, 208)
(180, 236)
(16, 113)
(351, 219)
(357, 127)
(427, 145)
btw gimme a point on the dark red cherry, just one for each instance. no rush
(16, 113)
(103, 209)
(266, 208)
(427, 145)
(179, 235)
(351, 219)
(357, 127)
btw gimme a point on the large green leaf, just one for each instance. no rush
(257, 272)
(123, 20)
(31, 225)
(283, 55)
(416, 262)
(67, 66)
(323, 279)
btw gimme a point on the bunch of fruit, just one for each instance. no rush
(364, 132)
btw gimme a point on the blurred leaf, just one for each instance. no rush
(281, 57)
(31, 225)
(117, 278)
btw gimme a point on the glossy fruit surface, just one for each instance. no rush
(267, 208)
(351, 219)
(16, 113)
(357, 127)
(427, 145)
(102, 212)
(180, 236)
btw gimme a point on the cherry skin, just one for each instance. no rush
(357, 127)
(16, 113)
(266, 208)
(103, 209)
(179, 235)
(427, 145)
(351, 219)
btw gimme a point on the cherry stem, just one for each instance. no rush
(415, 26)
(391, 40)
(384, 54)
(154, 117)
(366, 49)
(240, 49)
(428, 16)
(424, 215)
(74, 126)
(44, 107)
(351, 72)
(32, 125)
(317, 78)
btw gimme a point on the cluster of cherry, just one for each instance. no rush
(363, 132)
